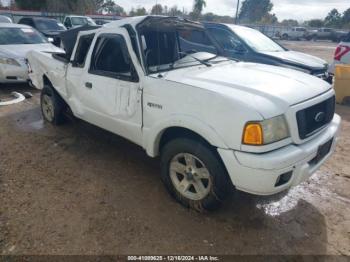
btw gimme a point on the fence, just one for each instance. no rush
(16, 15)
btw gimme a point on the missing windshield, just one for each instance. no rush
(169, 43)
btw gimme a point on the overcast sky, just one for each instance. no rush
(284, 9)
(295, 9)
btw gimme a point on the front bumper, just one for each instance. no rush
(259, 173)
(14, 74)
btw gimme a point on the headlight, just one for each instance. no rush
(50, 39)
(9, 61)
(265, 132)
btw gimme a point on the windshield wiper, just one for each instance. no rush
(203, 62)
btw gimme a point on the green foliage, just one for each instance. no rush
(269, 19)
(31, 5)
(157, 9)
(110, 7)
(253, 11)
(333, 19)
(346, 19)
(211, 17)
(138, 11)
(174, 11)
(290, 22)
(198, 6)
(315, 23)
(66, 6)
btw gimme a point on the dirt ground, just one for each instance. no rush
(78, 189)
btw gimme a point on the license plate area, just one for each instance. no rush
(322, 152)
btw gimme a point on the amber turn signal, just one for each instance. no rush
(253, 134)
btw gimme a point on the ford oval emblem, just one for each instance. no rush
(320, 117)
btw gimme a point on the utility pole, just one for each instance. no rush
(237, 10)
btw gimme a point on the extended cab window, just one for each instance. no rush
(111, 58)
(82, 50)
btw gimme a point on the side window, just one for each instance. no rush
(111, 58)
(67, 23)
(82, 50)
(227, 40)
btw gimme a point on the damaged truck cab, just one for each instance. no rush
(216, 124)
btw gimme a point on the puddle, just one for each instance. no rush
(305, 191)
(37, 125)
(284, 205)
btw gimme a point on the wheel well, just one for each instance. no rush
(47, 81)
(180, 132)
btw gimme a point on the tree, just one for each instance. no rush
(346, 19)
(31, 5)
(253, 11)
(138, 12)
(269, 19)
(198, 8)
(315, 23)
(110, 7)
(290, 22)
(174, 11)
(157, 9)
(333, 19)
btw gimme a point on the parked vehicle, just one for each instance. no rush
(5, 19)
(294, 33)
(326, 34)
(217, 124)
(342, 54)
(15, 41)
(76, 21)
(49, 27)
(247, 44)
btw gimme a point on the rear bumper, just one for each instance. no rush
(259, 173)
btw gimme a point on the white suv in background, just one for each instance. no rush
(342, 54)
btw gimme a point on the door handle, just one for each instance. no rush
(88, 85)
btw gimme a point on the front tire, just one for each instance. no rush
(194, 175)
(52, 106)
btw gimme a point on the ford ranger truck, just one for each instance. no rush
(218, 125)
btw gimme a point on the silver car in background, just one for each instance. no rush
(5, 19)
(15, 42)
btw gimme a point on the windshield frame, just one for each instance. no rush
(45, 41)
(235, 29)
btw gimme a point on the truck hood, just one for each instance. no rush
(298, 58)
(279, 85)
(20, 51)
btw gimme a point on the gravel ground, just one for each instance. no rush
(78, 189)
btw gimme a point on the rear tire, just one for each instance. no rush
(194, 175)
(52, 106)
(285, 37)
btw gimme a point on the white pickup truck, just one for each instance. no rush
(217, 124)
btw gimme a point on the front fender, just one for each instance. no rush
(152, 135)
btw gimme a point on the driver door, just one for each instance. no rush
(109, 87)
